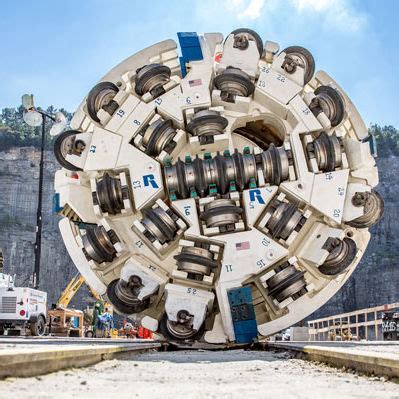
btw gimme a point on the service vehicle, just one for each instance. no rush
(21, 308)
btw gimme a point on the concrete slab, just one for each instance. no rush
(26, 357)
(378, 358)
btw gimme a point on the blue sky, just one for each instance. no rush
(59, 49)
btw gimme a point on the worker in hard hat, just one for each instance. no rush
(97, 311)
(105, 323)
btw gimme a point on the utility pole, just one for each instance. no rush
(39, 219)
(35, 117)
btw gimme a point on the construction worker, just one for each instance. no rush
(105, 324)
(97, 311)
(128, 329)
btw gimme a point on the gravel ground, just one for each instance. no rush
(202, 374)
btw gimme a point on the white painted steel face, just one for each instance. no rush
(221, 198)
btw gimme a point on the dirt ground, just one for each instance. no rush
(202, 374)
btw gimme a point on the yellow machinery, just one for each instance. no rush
(64, 321)
(60, 321)
(70, 290)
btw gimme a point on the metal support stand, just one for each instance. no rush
(38, 241)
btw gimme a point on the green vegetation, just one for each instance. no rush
(387, 138)
(15, 132)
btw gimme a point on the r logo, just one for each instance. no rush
(255, 195)
(150, 180)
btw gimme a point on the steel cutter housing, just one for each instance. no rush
(220, 196)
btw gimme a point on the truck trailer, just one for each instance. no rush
(21, 308)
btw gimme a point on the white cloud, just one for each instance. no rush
(254, 9)
(246, 9)
(339, 14)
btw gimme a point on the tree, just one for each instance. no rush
(387, 138)
(15, 132)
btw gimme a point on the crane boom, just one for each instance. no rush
(70, 290)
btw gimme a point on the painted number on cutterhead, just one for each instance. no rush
(260, 263)
(337, 213)
(265, 242)
(136, 184)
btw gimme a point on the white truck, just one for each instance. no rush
(21, 307)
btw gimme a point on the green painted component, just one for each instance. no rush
(193, 193)
(172, 196)
(226, 153)
(246, 150)
(187, 159)
(207, 155)
(232, 186)
(252, 183)
(213, 189)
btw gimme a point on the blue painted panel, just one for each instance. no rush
(190, 48)
(188, 39)
(56, 203)
(243, 314)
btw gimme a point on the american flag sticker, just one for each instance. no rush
(195, 82)
(242, 246)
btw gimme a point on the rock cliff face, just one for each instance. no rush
(375, 281)
(19, 181)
